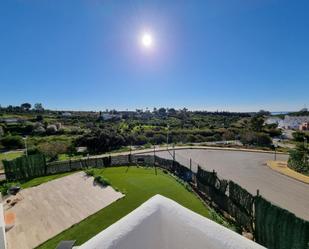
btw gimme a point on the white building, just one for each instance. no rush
(293, 122)
(289, 122)
(108, 116)
(163, 223)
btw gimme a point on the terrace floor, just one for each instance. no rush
(52, 207)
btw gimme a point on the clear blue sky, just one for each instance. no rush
(240, 55)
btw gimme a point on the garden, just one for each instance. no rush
(138, 184)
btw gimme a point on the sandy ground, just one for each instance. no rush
(52, 207)
(249, 169)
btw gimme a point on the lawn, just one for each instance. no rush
(138, 184)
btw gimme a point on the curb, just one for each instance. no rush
(282, 168)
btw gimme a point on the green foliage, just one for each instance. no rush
(255, 138)
(300, 136)
(12, 142)
(298, 159)
(4, 187)
(52, 149)
(102, 180)
(89, 172)
(256, 123)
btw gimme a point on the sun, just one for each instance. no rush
(147, 40)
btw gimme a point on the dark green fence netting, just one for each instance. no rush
(241, 197)
(276, 228)
(25, 167)
(241, 217)
(206, 177)
(181, 171)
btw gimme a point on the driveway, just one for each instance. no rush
(250, 171)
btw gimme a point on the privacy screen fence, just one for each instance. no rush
(272, 227)
(25, 167)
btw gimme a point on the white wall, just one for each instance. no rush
(2, 229)
(163, 223)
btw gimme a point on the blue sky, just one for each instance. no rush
(236, 55)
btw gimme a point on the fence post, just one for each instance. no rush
(154, 158)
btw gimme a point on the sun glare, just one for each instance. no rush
(147, 40)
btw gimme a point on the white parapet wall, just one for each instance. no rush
(2, 229)
(163, 223)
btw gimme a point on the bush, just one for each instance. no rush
(103, 181)
(4, 188)
(12, 142)
(53, 149)
(90, 172)
(51, 129)
(298, 159)
(255, 138)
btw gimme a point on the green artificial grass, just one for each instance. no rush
(138, 185)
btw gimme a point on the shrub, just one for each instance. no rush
(12, 142)
(53, 149)
(5, 187)
(90, 172)
(51, 129)
(103, 181)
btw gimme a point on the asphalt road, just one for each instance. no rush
(250, 171)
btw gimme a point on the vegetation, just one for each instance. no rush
(9, 156)
(113, 130)
(299, 159)
(138, 185)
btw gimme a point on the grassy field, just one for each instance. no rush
(138, 184)
(9, 156)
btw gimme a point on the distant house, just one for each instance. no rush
(293, 122)
(109, 116)
(304, 126)
(66, 114)
(289, 122)
(12, 120)
(273, 120)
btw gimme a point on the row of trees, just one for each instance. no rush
(24, 107)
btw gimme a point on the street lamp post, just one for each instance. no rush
(305, 148)
(276, 151)
(167, 136)
(26, 147)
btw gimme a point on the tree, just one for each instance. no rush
(39, 118)
(25, 106)
(1, 131)
(12, 142)
(51, 129)
(255, 138)
(162, 111)
(38, 107)
(256, 123)
(52, 149)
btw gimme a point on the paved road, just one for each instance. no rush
(249, 170)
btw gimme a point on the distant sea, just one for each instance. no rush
(279, 113)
